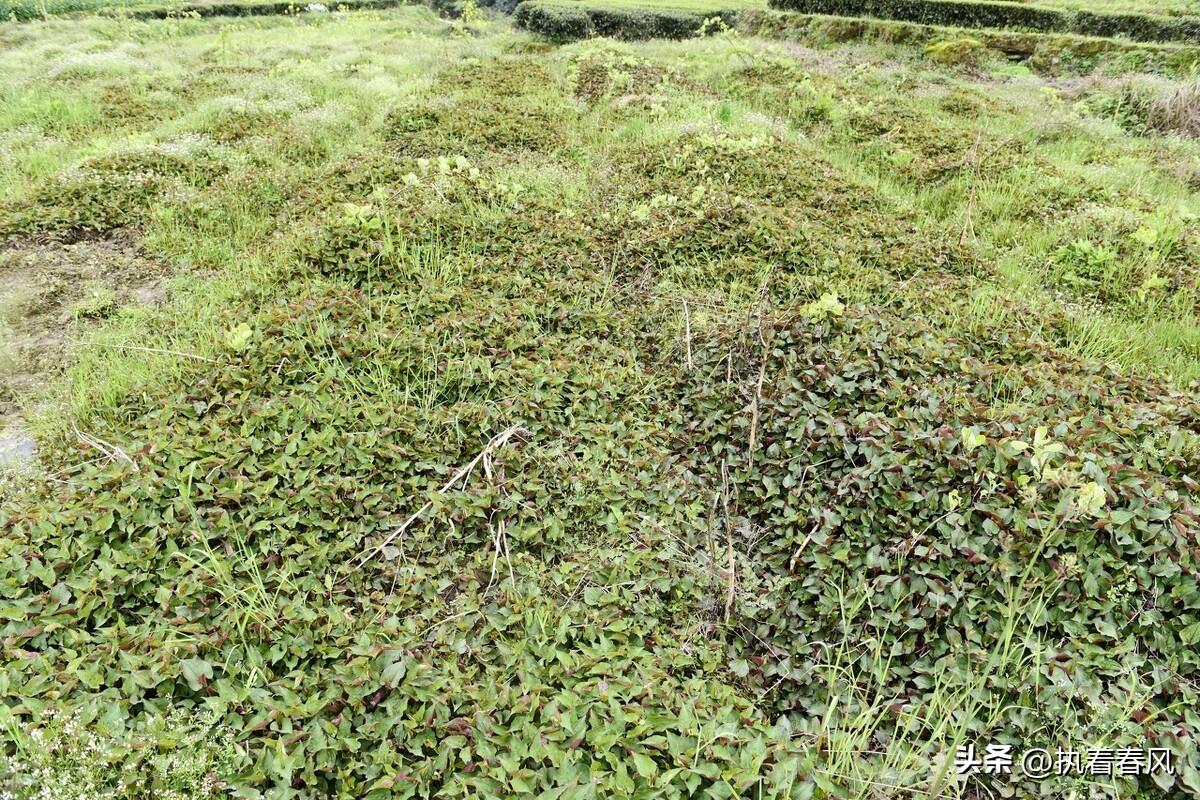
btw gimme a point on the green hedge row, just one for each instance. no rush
(1051, 53)
(26, 10)
(970, 14)
(256, 9)
(503, 6)
(562, 23)
(566, 23)
(1142, 27)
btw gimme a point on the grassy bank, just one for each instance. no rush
(707, 418)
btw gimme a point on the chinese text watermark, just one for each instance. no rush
(1038, 762)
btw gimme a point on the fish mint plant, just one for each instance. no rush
(767, 414)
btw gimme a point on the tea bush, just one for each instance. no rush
(1045, 52)
(566, 23)
(559, 22)
(983, 14)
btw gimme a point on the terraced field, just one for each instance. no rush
(402, 405)
(1021, 27)
(1166, 7)
(1146, 27)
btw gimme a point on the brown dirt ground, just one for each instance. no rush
(49, 293)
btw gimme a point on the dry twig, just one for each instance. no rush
(500, 538)
(728, 541)
(687, 324)
(762, 373)
(496, 442)
(113, 452)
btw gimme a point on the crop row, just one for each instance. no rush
(565, 21)
(1040, 51)
(972, 14)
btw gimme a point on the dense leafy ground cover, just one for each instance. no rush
(701, 419)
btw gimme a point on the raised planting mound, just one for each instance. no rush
(682, 419)
(1021, 16)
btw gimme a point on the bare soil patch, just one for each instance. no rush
(50, 292)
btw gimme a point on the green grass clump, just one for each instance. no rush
(681, 419)
(964, 52)
(1143, 107)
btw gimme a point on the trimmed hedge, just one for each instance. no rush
(503, 6)
(969, 14)
(1042, 51)
(255, 9)
(569, 22)
(561, 23)
(1142, 27)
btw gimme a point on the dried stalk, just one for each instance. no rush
(113, 452)
(728, 541)
(497, 441)
(968, 224)
(500, 539)
(687, 324)
(762, 374)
